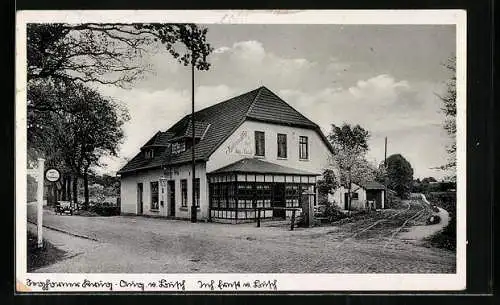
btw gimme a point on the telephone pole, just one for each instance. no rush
(385, 172)
(385, 152)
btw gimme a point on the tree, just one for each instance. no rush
(96, 130)
(328, 183)
(61, 58)
(428, 180)
(350, 145)
(109, 53)
(399, 175)
(78, 133)
(449, 108)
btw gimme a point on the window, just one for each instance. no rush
(197, 191)
(222, 195)
(260, 143)
(303, 148)
(263, 195)
(149, 154)
(354, 196)
(214, 195)
(281, 145)
(184, 192)
(245, 195)
(292, 195)
(154, 195)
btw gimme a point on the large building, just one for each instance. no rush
(253, 150)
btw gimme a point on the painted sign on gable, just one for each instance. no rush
(242, 145)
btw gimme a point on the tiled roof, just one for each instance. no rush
(252, 165)
(271, 108)
(216, 123)
(199, 129)
(159, 139)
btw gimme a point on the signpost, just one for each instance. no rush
(39, 210)
(52, 175)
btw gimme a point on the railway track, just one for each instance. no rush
(397, 230)
(373, 225)
(394, 232)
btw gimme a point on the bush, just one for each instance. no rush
(434, 219)
(445, 200)
(105, 209)
(330, 211)
(393, 201)
(447, 237)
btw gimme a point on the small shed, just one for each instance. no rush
(363, 195)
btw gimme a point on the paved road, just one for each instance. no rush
(143, 245)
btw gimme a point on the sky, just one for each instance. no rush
(383, 77)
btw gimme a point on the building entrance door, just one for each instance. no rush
(279, 200)
(171, 197)
(140, 202)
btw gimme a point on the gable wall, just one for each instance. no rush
(241, 144)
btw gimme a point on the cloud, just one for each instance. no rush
(221, 50)
(382, 89)
(249, 62)
(406, 112)
(378, 103)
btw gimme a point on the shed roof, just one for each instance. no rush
(372, 185)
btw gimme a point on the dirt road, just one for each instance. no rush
(147, 245)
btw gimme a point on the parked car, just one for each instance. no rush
(63, 207)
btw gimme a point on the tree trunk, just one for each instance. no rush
(50, 194)
(86, 188)
(75, 189)
(64, 183)
(349, 195)
(54, 193)
(68, 190)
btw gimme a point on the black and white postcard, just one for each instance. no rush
(240, 151)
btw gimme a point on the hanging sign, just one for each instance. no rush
(52, 175)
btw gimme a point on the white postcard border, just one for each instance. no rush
(284, 282)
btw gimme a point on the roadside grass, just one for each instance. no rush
(85, 213)
(45, 256)
(446, 238)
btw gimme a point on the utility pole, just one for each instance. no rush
(385, 172)
(385, 152)
(193, 162)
